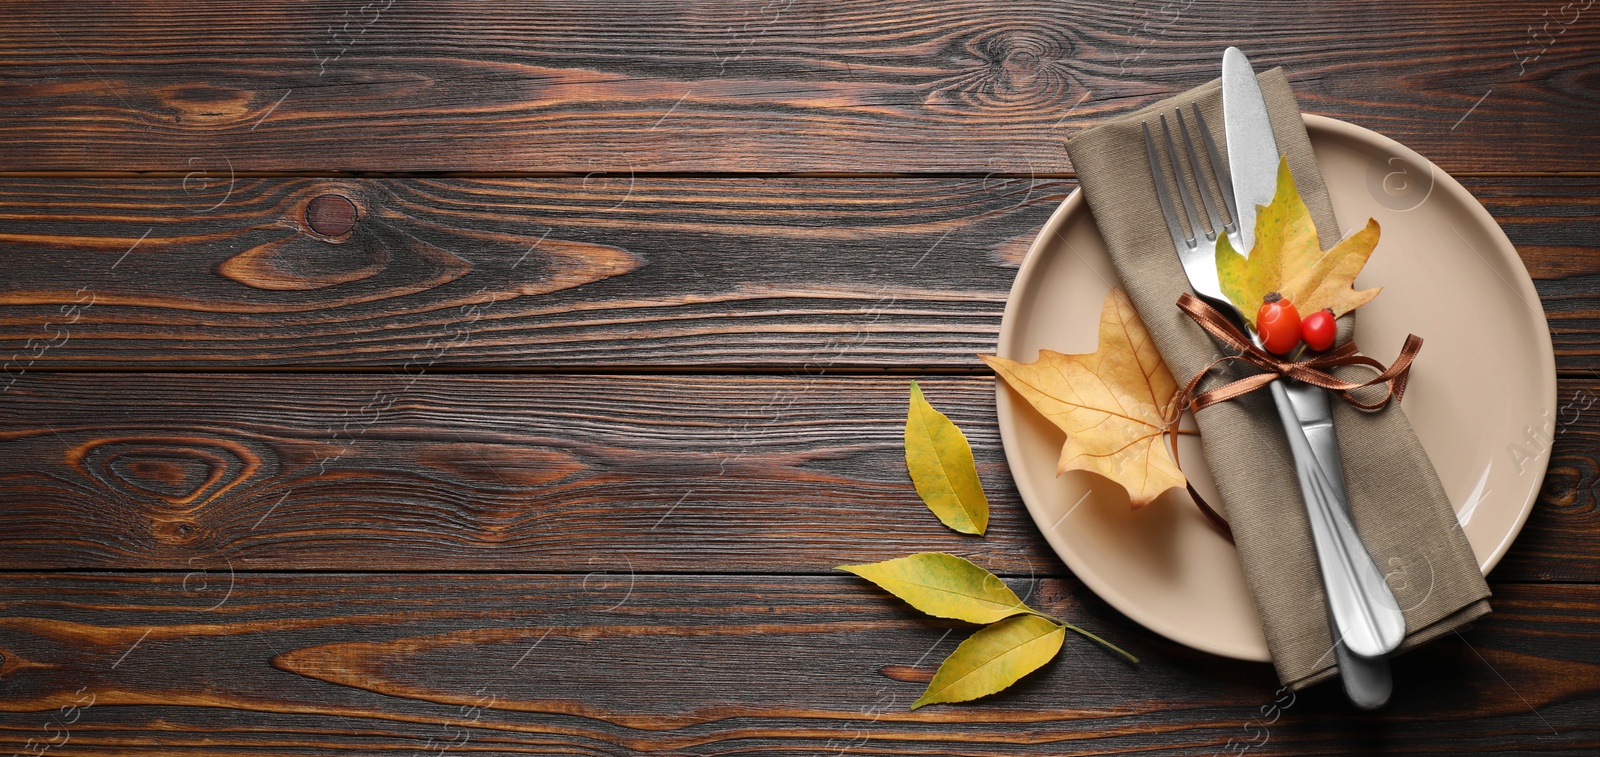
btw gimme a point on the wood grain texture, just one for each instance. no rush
(605, 272)
(592, 458)
(210, 662)
(549, 473)
(784, 85)
(1554, 225)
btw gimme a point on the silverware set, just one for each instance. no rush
(1365, 618)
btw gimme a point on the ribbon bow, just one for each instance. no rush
(1312, 371)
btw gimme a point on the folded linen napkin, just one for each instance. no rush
(1397, 502)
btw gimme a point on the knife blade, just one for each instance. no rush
(1253, 167)
(1252, 150)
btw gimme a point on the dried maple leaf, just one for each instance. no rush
(1288, 259)
(1114, 403)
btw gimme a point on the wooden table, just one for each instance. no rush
(425, 377)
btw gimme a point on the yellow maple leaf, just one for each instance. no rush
(1113, 403)
(1288, 259)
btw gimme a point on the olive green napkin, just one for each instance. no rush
(1397, 502)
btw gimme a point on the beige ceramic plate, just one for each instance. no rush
(1482, 395)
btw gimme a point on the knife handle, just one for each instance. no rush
(1365, 614)
(1367, 680)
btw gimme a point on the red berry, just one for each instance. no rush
(1278, 323)
(1319, 329)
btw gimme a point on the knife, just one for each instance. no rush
(1253, 165)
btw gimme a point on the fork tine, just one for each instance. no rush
(1195, 227)
(1219, 168)
(1179, 242)
(1200, 178)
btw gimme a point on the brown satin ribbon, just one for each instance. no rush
(1313, 370)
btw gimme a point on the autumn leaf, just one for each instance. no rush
(944, 586)
(1288, 259)
(1113, 403)
(941, 465)
(993, 658)
(1017, 640)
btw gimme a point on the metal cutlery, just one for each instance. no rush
(1253, 158)
(1365, 616)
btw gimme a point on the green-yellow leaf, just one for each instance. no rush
(1288, 259)
(993, 658)
(944, 586)
(940, 461)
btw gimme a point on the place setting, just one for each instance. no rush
(1266, 379)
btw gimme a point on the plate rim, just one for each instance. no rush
(1313, 123)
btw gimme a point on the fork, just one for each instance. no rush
(1365, 615)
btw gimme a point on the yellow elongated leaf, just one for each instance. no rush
(993, 658)
(1112, 403)
(1288, 259)
(944, 586)
(941, 465)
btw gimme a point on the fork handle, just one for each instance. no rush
(1365, 614)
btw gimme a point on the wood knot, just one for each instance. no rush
(1564, 487)
(331, 215)
(175, 531)
(171, 472)
(1025, 66)
(906, 674)
(1020, 69)
(205, 104)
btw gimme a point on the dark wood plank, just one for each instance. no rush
(1569, 502)
(548, 473)
(785, 85)
(1554, 225)
(604, 272)
(552, 473)
(213, 663)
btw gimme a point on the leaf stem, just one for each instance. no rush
(1060, 622)
(1103, 642)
